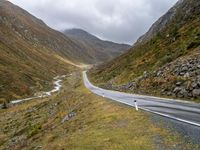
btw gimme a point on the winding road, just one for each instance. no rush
(182, 111)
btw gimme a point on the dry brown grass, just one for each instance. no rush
(99, 124)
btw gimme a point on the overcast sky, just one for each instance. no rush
(121, 21)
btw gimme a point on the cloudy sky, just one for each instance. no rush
(116, 20)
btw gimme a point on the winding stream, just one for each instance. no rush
(57, 87)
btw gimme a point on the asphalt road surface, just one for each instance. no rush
(182, 111)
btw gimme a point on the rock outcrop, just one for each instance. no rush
(178, 79)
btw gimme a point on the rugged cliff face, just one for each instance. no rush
(172, 43)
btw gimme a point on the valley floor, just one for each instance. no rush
(76, 119)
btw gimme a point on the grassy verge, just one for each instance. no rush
(97, 124)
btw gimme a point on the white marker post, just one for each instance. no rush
(136, 106)
(103, 95)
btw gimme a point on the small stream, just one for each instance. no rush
(57, 87)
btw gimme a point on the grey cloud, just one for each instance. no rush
(116, 20)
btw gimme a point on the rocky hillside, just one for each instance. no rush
(100, 51)
(165, 61)
(162, 22)
(178, 79)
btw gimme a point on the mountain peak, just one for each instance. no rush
(76, 30)
(80, 33)
(189, 9)
(102, 50)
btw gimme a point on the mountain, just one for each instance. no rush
(100, 51)
(32, 53)
(36, 32)
(161, 23)
(163, 62)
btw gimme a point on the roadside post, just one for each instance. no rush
(103, 95)
(136, 105)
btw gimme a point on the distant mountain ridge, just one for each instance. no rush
(36, 32)
(101, 50)
(79, 33)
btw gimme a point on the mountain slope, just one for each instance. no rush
(162, 22)
(174, 38)
(100, 50)
(31, 53)
(38, 33)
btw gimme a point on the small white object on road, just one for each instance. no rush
(136, 106)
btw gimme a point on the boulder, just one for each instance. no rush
(182, 73)
(159, 73)
(145, 74)
(194, 85)
(169, 93)
(184, 69)
(187, 75)
(196, 93)
(177, 90)
(178, 83)
(198, 84)
(68, 116)
(183, 93)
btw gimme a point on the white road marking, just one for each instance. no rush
(140, 96)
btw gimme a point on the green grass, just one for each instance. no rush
(33, 130)
(99, 124)
(183, 39)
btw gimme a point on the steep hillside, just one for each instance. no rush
(172, 43)
(30, 53)
(162, 22)
(99, 50)
(37, 33)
